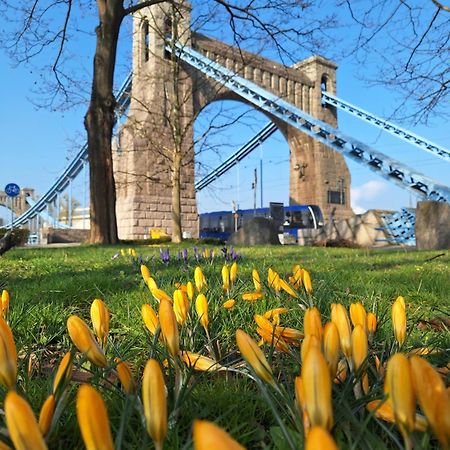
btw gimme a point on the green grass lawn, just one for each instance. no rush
(48, 285)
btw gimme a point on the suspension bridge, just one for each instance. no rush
(300, 101)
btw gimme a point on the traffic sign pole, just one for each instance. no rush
(12, 190)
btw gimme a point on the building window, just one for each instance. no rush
(336, 197)
(146, 41)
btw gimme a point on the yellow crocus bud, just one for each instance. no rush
(145, 273)
(225, 278)
(252, 296)
(320, 438)
(306, 280)
(229, 304)
(190, 290)
(22, 426)
(201, 306)
(256, 280)
(8, 356)
(159, 294)
(46, 414)
(433, 397)
(288, 289)
(150, 318)
(125, 376)
(100, 320)
(64, 372)
(399, 320)
(331, 347)
(84, 341)
(5, 302)
(199, 362)
(155, 402)
(169, 328)
(208, 436)
(317, 388)
(358, 315)
(180, 306)
(340, 318)
(312, 323)
(399, 387)
(93, 419)
(310, 341)
(341, 372)
(151, 283)
(359, 346)
(254, 356)
(273, 339)
(371, 323)
(233, 272)
(199, 278)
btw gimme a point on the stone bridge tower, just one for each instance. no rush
(166, 99)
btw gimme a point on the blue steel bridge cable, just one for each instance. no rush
(390, 169)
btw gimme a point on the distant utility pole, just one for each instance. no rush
(254, 187)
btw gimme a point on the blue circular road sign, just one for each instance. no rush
(12, 190)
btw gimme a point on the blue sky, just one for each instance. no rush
(37, 144)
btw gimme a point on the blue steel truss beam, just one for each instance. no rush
(391, 128)
(245, 150)
(392, 170)
(75, 166)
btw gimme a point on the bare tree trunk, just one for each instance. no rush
(176, 198)
(99, 123)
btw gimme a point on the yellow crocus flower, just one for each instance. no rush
(145, 272)
(199, 362)
(254, 356)
(8, 356)
(4, 303)
(312, 323)
(252, 296)
(225, 278)
(82, 337)
(169, 328)
(317, 388)
(150, 318)
(22, 426)
(433, 397)
(272, 339)
(46, 414)
(331, 347)
(151, 283)
(180, 306)
(190, 290)
(233, 272)
(64, 372)
(229, 304)
(273, 278)
(100, 320)
(125, 376)
(297, 272)
(371, 323)
(201, 306)
(93, 419)
(399, 387)
(208, 436)
(310, 341)
(271, 313)
(306, 280)
(256, 280)
(399, 320)
(159, 295)
(340, 318)
(358, 315)
(199, 278)
(288, 289)
(359, 346)
(320, 438)
(155, 402)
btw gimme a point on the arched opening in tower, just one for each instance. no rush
(220, 130)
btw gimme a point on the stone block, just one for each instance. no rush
(432, 225)
(258, 231)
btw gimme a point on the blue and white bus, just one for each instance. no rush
(221, 224)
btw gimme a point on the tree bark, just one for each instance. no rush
(99, 122)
